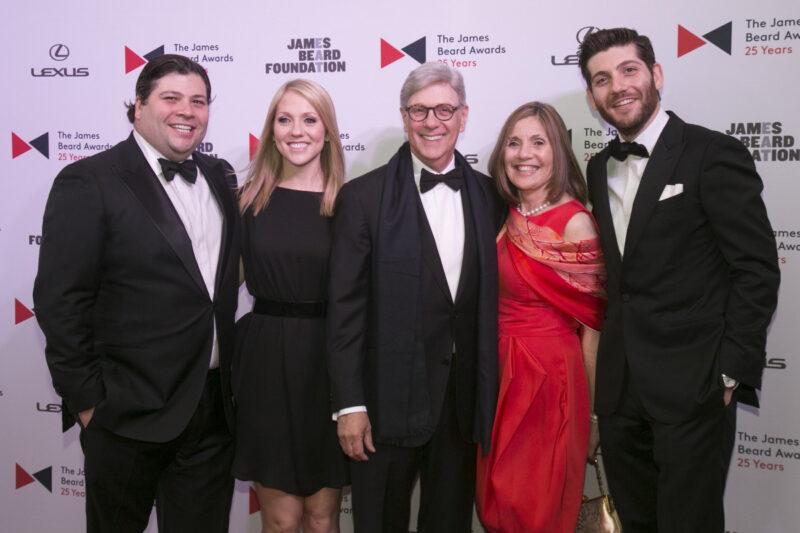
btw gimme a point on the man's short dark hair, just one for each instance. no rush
(602, 40)
(159, 67)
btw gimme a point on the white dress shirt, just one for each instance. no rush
(445, 214)
(624, 177)
(201, 216)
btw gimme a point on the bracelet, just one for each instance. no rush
(593, 418)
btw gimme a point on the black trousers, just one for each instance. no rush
(189, 477)
(383, 485)
(668, 478)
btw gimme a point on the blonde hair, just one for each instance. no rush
(267, 164)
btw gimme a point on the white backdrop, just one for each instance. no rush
(70, 66)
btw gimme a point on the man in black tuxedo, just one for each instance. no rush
(412, 318)
(136, 294)
(692, 285)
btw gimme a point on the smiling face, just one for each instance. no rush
(175, 116)
(298, 131)
(623, 90)
(433, 140)
(528, 159)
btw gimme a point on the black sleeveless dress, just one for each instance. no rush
(285, 437)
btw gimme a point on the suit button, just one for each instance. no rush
(446, 362)
(626, 297)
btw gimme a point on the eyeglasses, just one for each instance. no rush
(443, 112)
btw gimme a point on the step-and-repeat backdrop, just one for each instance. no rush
(70, 66)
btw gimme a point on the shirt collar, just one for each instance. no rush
(651, 133)
(419, 165)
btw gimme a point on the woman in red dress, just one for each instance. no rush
(552, 299)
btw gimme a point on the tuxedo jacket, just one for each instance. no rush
(695, 289)
(393, 323)
(126, 315)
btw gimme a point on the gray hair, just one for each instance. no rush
(429, 74)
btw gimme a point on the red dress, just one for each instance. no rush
(532, 479)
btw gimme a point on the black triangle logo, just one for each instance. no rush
(45, 477)
(42, 144)
(721, 37)
(416, 50)
(155, 53)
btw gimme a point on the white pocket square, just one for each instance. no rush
(670, 191)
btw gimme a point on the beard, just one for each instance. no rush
(631, 125)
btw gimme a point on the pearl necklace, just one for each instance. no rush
(532, 211)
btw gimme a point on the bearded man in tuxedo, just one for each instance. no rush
(692, 284)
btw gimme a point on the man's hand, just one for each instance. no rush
(727, 395)
(355, 434)
(84, 417)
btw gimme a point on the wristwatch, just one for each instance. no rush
(729, 382)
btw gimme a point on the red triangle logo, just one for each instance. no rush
(253, 146)
(389, 54)
(687, 41)
(23, 478)
(254, 507)
(18, 146)
(132, 60)
(21, 313)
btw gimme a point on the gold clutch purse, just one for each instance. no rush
(597, 515)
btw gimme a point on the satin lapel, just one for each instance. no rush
(479, 202)
(656, 175)
(602, 208)
(470, 250)
(218, 183)
(430, 253)
(143, 183)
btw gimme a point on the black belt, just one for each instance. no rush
(292, 309)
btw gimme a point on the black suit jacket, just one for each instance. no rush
(362, 368)
(696, 287)
(119, 296)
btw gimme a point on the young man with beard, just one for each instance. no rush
(692, 285)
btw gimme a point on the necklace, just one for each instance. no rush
(532, 211)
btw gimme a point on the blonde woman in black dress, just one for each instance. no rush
(285, 439)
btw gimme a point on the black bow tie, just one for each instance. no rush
(187, 169)
(429, 180)
(621, 150)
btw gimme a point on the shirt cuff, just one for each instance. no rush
(348, 410)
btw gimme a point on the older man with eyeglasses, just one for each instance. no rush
(412, 318)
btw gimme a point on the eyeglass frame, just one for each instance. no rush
(429, 109)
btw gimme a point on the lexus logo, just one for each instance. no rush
(59, 52)
(583, 32)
